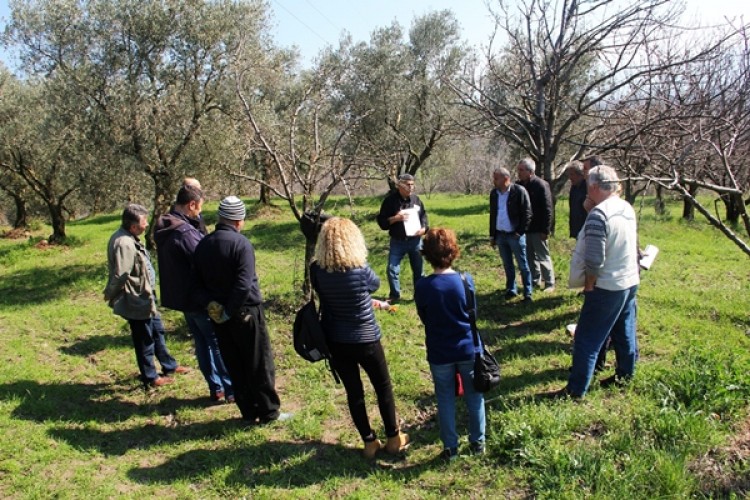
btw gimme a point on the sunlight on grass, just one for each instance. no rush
(72, 411)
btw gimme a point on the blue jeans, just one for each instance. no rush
(605, 313)
(509, 245)
(207, 353)
(444, 378)
(398, 249)
(148, 341)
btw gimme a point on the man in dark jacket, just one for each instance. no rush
(227, 285)
(177, 235)
(540, 227)
(403, 215)
(510, 214)
(577, 197)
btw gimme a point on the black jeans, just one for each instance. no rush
(246, 350)
(347, 358)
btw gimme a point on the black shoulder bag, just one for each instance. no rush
(486, 367)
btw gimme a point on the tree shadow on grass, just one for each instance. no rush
(103, 219)
(42, 285)
(476, 209)
(277, 464)
(84, 403)
(276, 236)
(98, 343)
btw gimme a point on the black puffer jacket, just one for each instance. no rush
(346, 304)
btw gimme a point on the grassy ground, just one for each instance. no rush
(75, 422)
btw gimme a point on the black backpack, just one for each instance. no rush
(309, 338)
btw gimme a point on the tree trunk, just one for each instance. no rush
(733, 205)
(58, 223)
(163, 193)
(688, 207)
(22, 213)
(264, 197)
(309, 254)
(659, 205)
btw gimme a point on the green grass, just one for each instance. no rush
(75, 422)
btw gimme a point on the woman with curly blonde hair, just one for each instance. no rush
(344, 283)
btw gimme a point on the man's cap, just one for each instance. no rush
(232, 208)
(405, 177)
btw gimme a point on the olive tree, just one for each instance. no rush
(150, 72)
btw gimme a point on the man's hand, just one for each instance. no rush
(217, 313)
(543, 236)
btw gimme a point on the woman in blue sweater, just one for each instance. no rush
(344, 283)
(441, 304)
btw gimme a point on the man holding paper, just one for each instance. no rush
(403, 215)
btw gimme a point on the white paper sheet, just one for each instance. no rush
(412, 223)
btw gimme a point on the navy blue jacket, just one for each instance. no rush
(442, 307)
(519, 209)
(176, 237)
(225, 270)
(346, 304)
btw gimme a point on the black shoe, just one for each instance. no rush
(449, 454)
(560, 394)
(614, 380)
(510, 295)
(528, 299)
(393, 300)
(477, 448)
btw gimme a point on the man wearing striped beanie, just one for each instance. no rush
(227, 285)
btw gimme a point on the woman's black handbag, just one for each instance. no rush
(486, 367)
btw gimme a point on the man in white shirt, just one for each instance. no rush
(510, 215)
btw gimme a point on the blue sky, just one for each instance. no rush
(313, 24)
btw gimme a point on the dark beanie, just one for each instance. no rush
(232, 208)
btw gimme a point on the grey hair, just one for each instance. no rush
(528, 164)
(132, 215)
(605, 177)
(576, 166)
(502, 171)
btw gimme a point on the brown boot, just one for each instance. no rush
(397, 443)
(371, 448)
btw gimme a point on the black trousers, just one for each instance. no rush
(246, 350)
(347, 359)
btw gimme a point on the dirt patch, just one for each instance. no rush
(726, 470)
(16, 234)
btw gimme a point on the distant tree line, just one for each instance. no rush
(118, 100)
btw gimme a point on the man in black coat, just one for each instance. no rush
(403, 215)
(540, 227)
(577, 197)
(227, 285)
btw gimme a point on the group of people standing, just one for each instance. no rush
(212, 279)
(521, 218)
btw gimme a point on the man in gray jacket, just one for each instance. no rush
(130, 294)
